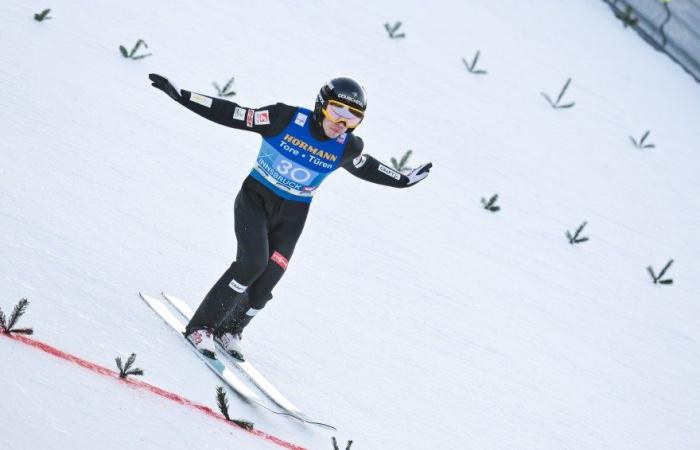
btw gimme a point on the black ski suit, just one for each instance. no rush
(267, 223)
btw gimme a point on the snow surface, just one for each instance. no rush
(411, 319)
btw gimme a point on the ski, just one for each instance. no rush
(249, 370)
(217, 366)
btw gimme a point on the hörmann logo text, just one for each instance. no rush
(309, 148)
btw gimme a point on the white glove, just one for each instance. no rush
(418, 174)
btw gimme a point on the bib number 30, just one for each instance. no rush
(293, 172)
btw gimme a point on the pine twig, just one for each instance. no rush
(400, 165)
(126, 370)
(393, 29)
(490, 204)
(641, 143)
(222, 402)
(131, 55)
(243, 424)
(556, 104)
(9, 326)
(224, 92)
(471, 67)
(40, 17)
(575, 238)
(663, 271)
(657, 279)
(335, 444)
(627, 18)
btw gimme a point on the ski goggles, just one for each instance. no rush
(337, 112)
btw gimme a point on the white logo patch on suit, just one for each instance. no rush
(262, 117)
(201, 99)
(301, 119)
(239, 113)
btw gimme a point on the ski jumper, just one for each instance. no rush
(270, 210)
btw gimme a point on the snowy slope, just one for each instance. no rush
(411, 319)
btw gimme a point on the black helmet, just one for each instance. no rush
(344, 90)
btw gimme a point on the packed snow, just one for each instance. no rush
(412, 318)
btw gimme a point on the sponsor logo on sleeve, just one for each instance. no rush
(301, 119)
(280, 260)
(262, 117)
(389, 172)
(249, 118)
(239, 113)
(201, 99)
(359, 161)
(238, 287)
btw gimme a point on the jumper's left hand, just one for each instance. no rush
(418, 174)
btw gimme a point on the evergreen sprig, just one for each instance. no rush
(490, 204)
(222, 402)
(657, 279)
(126, 370)
(243, 424)
(400, 165)
(557, 105)
(335, 444)
(472, 67)
(9, 326)
(40, 17)
(575, 239)
(640, 143)
(225, 91)
(628, 19)
(132, 54)
(392, 29)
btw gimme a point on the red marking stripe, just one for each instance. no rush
(146, 386)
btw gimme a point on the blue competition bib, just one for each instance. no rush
(293, 163)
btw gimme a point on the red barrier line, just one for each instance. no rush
(143, 385)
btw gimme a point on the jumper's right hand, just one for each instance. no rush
(165, 85)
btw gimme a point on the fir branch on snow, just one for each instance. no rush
(640, 143)
(9, 326)
(243, 424)
(628, 19)
(472, 67)
(490, 204)
(225, 92)
(392, 29)
(575, 239)
(222, 402)
(401, 165)
(126, 370)
(132, 54)
(40, 17)
(557, 105)
(335, 444)
(657, 279)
